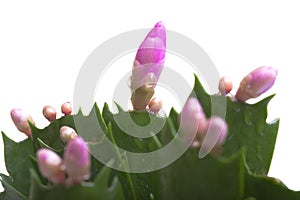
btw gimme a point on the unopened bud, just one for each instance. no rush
(77, 160)
(51, 166)
(147, 66)
(49, 113)
(66, 108)
(215, 135)
(67, 134)
(256, 83)
(192, 118)
(225, 85)
(20, 119)
(155, 105)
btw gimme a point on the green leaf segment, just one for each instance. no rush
(240, 172)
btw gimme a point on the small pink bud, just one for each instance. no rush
(147, 66)
(256, 83)
(218, 126)
(66, 108)
(67, 134)
(155, 105)
(215, 135)
(51, 166)
(225, 85)
(77, 160)
(49, 113)
(20, 119)
(192, 118)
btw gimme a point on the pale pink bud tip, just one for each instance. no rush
(225, 85)
(217, 125)
(66, 108)
(49, 113)
(77, 160)
(192, 118)
(67, 134)
(20, 119)
(256, 83)
(214, 137)
(51, 166)
(155, 105)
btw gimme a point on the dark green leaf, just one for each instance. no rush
(18, 163)
(11, 193)
(98, 190)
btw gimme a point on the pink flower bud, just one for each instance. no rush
(215, 135)
(147, 66)
(77, 160)
(51, 166)
(67, 134)
(20, 119)
(66, 108)
(49, 113)
(152, 50)
(155, 105)
(192, 118)
(256, 83)
(219, 126)
(225, 85)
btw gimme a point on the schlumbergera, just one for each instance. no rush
(228, 157)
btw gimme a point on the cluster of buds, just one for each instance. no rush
(72, 169)
(50, 113)
(253, 85)
(75, 166)
(211, 133)
(147, 68)
(22, 119)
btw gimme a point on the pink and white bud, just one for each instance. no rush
(51, 166)
(66, 108)
(77, 160)
(67, 134)
(155, 105)
(20, 119)
(147, 66)
(225, 85)
(256, 83)
(192, 119)
(49, 113)
(215, 135)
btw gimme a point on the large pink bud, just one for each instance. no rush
(147, 66)
(256, 83)
(51, 166)
(77, 160)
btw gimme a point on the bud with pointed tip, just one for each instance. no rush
(49, 113)
(67, 134)
(225, 85)
(155, 105)
(147, 66)
(51, 166)
(20, 119)
(192, 118)
(66, 108)
(77, 160)
(256, 83)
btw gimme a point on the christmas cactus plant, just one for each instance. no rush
(224, 157)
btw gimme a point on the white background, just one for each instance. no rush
(44, 44)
